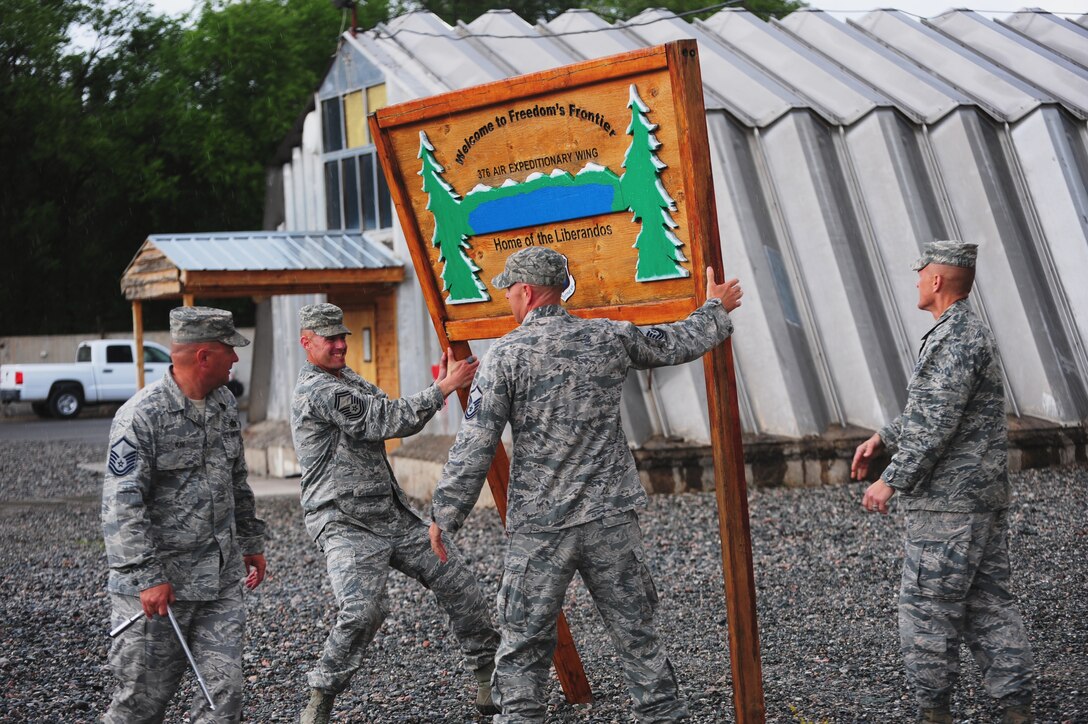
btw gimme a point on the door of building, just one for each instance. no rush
(362, 354)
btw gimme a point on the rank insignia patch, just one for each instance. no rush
(122, 457)
(655, 334)
(348, 405)
(475, 399)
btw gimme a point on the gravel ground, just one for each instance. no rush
(826, 576)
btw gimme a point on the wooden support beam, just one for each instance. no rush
(138, 340)
(187, 300)
(721, 398)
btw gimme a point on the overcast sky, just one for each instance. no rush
(845, 8)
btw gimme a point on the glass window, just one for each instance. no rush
(351, 192)
(332, 125)
(366, 173)
(155, 355)
(356, 193)
(332, 195)
(83, 354)
(118, 353)
(385, 202)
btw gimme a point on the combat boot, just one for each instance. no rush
(1017, 714)
(938, 715)
(319, 708)
(484, 703)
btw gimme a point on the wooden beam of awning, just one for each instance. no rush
(259, 282)
(302, 279)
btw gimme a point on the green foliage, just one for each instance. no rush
(159, 126)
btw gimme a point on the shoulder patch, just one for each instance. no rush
(655, 333)
(122, 457)
(475, 399)
(348, 404)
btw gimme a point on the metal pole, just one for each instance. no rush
(189, 655)
(121, 628)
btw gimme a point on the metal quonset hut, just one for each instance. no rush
(838, 148)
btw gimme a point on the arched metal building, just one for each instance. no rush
(838, 149)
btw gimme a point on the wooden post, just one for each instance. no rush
(186, 300)
(138, 341)
(722, 405)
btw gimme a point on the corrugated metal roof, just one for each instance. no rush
(995, 90)
(922, 96)
(274, 250)
(1059, 34)
(1019, 56)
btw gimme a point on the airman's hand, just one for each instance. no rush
(864, 455)
(255, 565)
(455, 374)
(437, 545)
(877, 496)
(728, 292)
(156, 599)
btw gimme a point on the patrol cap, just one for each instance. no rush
(537, 265)
(204, 324)
(950, 252)
(326, 320)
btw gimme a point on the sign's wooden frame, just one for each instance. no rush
(680, 61)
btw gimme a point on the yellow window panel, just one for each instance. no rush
(375, 98)
(355, 120)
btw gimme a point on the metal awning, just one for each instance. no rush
(257, 263)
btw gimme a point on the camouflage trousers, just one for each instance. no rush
(148, 661)
(538, 569)
(955, 588)
(359, 562)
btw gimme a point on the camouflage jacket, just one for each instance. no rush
(558, 380)
(176, 507)
(340, 425)
(950, 444)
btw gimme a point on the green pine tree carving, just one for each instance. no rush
(451, 232)
(659, 253)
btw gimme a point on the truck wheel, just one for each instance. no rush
(66, 402)
(41, 409)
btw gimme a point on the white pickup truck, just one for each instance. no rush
(104, 372)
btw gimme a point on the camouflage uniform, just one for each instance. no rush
(573, 491)
(176, 508)
(363, 522)
(950, 471)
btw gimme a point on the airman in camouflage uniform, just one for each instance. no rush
(358, 514)
(950, 471)
(180, 527)
(574, 490)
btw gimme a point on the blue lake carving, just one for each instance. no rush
(542, 206)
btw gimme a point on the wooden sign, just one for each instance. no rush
(607, 162)
(587, 159)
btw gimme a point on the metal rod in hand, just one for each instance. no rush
(189, 655)
(121, 628)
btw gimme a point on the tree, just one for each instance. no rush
(451, 231)
(659, 254)
(156, 127)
